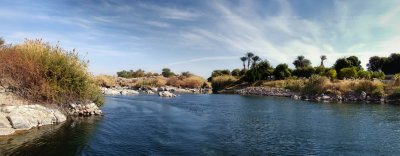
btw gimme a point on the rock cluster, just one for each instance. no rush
(166, 94)
(119, 91)
(84, 109)
(23, 117)
(265, 91)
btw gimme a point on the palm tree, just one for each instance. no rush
(323, 58)
(301, 62)
(255, 60)
(249, 55)
(244, 59)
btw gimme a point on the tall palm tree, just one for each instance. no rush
(255, 60)
(301, 62)
(249, 55)
(323, 58)
(244, 59)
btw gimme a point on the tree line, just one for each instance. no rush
(255, 68)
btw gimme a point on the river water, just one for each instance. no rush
(198, 124)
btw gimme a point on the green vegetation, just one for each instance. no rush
(221, 82)
(42, 72)
(346, 75)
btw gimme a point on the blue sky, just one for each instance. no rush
(203, 35)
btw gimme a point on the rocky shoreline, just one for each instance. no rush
(149, 90)
(281, 92)
(18, 114)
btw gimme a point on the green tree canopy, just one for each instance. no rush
(282, 71)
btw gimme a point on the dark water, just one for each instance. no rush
(218, 125)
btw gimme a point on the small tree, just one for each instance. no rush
(166, 72)
(282, 71)
(348, 73)
(364, 74)
(378, 75)
(331, 73)
(235, 72)
(323, 58)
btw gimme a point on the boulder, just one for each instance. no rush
(325, 97)
(129, 92)
(149, 92)
(166, 94)
(363, 95)
(4, 123)
(27, 116)
(85, 110)
(6, 131)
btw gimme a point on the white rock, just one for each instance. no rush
(6, 131)
(166, 94)
(27, 116)
(325, 97)
(4, 123)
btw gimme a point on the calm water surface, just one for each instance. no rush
(218, 125)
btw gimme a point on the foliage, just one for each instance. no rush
(392, 64)
(303, 72)
(316, 85)
(301, 62)
(378, 75)
(374, 88)
(348, 73)
(362, 74)
(105, 81)
(349, 62)
(261, 72)
(331, 73)
(166, 72)
(375, 63)
(236, 72)
(323, 58)
(221, 82)
(216, 73)
(41, 72)
(281, 71)
(291, 84)
(131, 73)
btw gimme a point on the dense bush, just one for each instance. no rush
(316, 85)
(362, 74)
(221, 82)
(41, 72)
(105, 81)
(348, 73)
(378, 75)
(331, 73)
(166, 72)
(281, 72)
(374, 88)
(303, 72)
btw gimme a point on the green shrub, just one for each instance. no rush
(396, 79)
(281, 72)
(316, 85)
(348, 73)
(364, 74)
(378, 75)
(331, 73)
(221, 82)
(303, 72)
(52, 74)
(374, 88)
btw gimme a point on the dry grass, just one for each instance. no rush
(41, 72)
(292, 84)
(106, 80)
(221, 82)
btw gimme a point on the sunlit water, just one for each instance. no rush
(192, 124)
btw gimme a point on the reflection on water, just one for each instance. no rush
(68, 138)
(193, 124)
